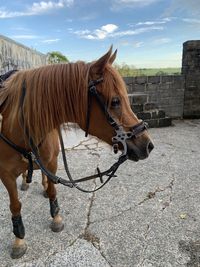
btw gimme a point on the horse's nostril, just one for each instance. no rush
(150, 147)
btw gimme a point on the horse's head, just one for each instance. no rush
(112, 94)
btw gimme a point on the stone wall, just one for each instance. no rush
(17, 56)
(177, 95)
(191, 71)
(167, 92)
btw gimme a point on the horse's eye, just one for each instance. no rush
(115, 102)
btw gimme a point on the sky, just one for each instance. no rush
(146, 33)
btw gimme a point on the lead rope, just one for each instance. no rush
(73, 183)
(110, 172)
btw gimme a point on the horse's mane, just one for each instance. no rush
(54, 94)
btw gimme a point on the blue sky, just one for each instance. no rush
(147, 33)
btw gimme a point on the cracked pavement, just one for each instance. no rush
(148, 216)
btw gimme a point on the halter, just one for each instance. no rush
(120, 137)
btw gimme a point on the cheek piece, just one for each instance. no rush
(121, 136)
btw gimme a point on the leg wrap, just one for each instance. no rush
(18, 227)
(54, 208)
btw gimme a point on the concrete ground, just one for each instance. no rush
(148, 216)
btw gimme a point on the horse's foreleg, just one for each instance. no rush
(45, 185)
(24, 185)
(57, 223)
(19, 247)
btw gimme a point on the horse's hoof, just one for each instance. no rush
(57, 227)
(18, 252)
(24, 187)
(45, 194)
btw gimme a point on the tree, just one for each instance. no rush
(127, 70)
(56, 57)
(161, 73)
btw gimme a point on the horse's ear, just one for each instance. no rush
(99, 65)
(113, 57)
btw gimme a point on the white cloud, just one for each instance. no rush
(189, 20)
(138, 44)
(32, 37)
(10, 14)
(98, 34)
(19, 28)
(25, 37)
(118, 4)
(189, 7)
(36, 9)
(80, 33)
(161, 41)
(136, 31)
(155, 22)
(43, 7)
(110, 30)
(50, 41)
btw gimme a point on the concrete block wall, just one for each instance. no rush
(167, 92)
(17, 56)
(191, 71)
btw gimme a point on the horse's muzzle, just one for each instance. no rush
(139, 151)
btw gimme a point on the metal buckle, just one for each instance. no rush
(121, 137)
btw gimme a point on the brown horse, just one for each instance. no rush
(56, 94)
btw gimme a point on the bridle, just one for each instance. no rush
(120, 138)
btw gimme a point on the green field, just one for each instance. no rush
(162, 71)
(128, 71)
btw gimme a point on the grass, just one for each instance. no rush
(160, 71)
(129, 71)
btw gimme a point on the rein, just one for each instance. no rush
(5, 76)
(27, 155)
(120, 137)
